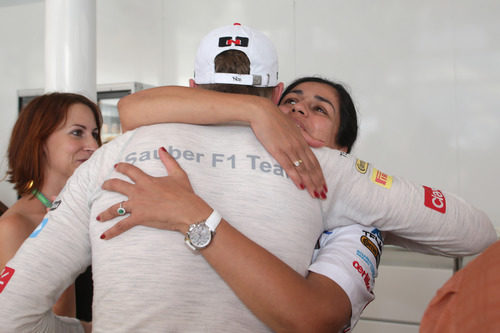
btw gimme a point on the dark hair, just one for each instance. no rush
(348, 127)
(237, 62)
(36, 122)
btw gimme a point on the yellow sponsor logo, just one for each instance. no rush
(380, 178)
(370, 246)
(361, 166)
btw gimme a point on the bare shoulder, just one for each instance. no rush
(16, 224)
(14, 229)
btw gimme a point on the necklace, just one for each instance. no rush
(43, 199)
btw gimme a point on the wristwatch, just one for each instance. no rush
(200, 234)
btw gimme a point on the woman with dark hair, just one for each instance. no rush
(348, 122)
(52, 136)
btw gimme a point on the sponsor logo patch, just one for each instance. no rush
(55, 204)
(361, 166)
(434, 199)
(5, 276)
(371, 246)
(367, 260)
(373, 242)
(363, 273)
(377, 233)
(380, 178)
(39, 228)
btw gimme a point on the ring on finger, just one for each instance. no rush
(297, 163)
(121, 211)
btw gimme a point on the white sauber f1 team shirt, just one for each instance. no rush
(350, 256)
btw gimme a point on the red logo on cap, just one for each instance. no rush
(227, 41)
(434, 199)
(5, 277)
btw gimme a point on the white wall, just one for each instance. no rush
(21, 66)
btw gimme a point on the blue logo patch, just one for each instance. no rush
(39, 228)
(377, 232)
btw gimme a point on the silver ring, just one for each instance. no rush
(121, 211)
(297, 163)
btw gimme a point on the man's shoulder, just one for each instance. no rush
(328, 156)
(197, 133)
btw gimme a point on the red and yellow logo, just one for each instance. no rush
(434, 199)
(380, 178)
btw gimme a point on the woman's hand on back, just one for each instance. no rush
(167, 203)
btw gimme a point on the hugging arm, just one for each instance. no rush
(278, 295)
(279, 135)
(414, 216)
(175, 104)
(46, 264)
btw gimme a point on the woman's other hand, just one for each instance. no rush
(167, 203)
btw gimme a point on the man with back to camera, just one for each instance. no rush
(148, 279)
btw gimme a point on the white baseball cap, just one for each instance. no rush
(257, 46)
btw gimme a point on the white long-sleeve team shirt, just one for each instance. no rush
(147, 280)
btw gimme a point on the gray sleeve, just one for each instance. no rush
(431, 220)
(49, 261)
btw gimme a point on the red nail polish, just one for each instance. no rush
(326, 188)
(103, 236)
(114, 166)
(316, 195)
(302, 186)
(98, 218)
(163, 149)
(323, 195)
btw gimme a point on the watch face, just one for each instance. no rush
(200, 236)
